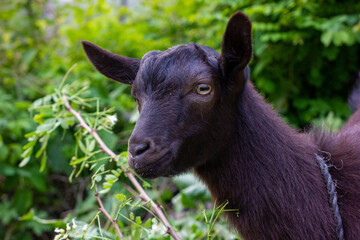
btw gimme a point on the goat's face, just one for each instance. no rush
(187, 99)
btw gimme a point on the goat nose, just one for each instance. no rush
(137, 149)
(141, 148)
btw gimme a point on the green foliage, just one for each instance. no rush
(305, 55)
(330, 123)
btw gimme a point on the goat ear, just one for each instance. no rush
(118, 68)
(236, 49)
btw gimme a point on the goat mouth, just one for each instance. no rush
(159, 167)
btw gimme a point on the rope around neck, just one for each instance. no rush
(331, 188)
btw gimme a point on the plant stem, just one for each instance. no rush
(103, 210)
(143, 196)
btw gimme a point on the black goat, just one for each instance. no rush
(199, 110)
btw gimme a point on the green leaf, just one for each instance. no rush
(29, 144)
(117, 173)
(136, 234)
(166, 195)
(77, 161)
(28, 216)
(187, 202)
(43, 162)
(107, 185)
(24, 162)
(103, 191)
(145, 184)
(327, 37)
(110, 177)
(138, 220)
(27, 152)
(82, 147)
(131, 215)
(98, 178)
(40, 118)
(46, 126)
(91, 145)
(41, 150)
(121, 197)
(30, 134)
(148, 223)
(63, 123)
(37, 103)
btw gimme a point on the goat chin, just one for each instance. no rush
(157, 168)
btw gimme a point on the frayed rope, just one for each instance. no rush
(331, 188)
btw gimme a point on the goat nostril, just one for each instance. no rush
(141, 148)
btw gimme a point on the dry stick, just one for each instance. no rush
(103, 210)
(143, 196)
(130, 189)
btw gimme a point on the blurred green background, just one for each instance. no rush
(306, 59)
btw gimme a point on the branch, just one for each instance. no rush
(130, 189)
(143, 196)
(103, 210)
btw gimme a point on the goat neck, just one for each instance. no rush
(269, 174)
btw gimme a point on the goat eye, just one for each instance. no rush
(203, 89)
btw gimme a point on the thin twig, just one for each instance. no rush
(142, 194)
(130, 189)
(103, 210)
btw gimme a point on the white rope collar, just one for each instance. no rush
(333, 198)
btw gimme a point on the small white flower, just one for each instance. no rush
(113, 119)
(68, 228)
(57, 237)
(59, 230)
(85, 228)
(74, 226)
(64, 237)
